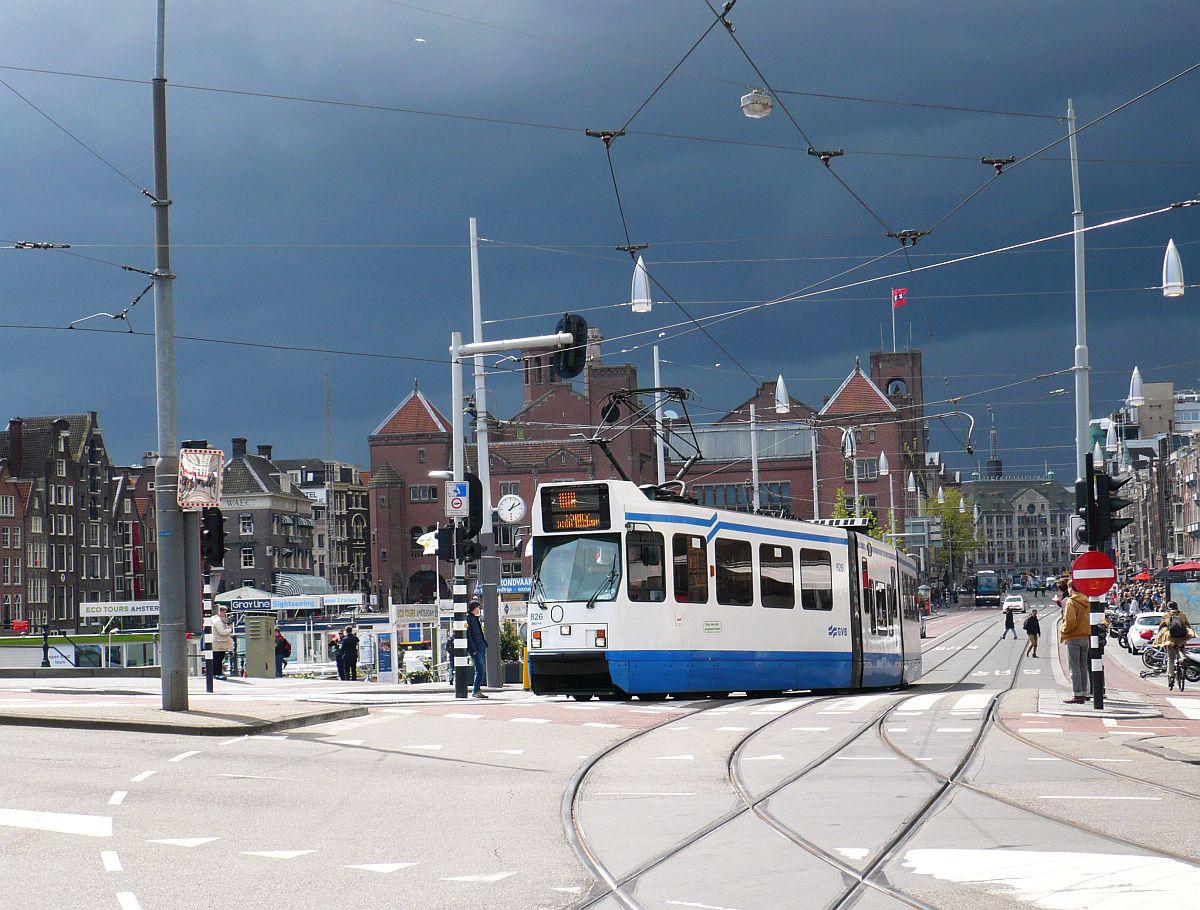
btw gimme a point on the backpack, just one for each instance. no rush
(287, 648)
(1176, 627)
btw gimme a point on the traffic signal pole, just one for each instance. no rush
(459, 351)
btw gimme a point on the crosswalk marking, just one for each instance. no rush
(849, 705)
(922, 702)
(1190, 708)
(975, 701)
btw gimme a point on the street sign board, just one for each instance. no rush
(200, 478)
(1093, 573)
(458, 499)
(98, 609)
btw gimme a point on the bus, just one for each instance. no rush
(987, 589)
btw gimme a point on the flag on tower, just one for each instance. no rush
(899, 297)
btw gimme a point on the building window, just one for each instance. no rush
(247, 557)
(8, 506)
(421, 456)
(871, 434)
(246, 525)
(510, 488)
(504, 536)
(511, 568)
(422, 493)
(868, 469)
(61, 467)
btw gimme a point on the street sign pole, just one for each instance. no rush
(462, 662)
(1094, 574)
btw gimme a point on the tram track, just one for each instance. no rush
(616, 886)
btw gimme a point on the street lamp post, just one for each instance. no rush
(850, 453)
(885, 471)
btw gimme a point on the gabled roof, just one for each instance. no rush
(248, 475)
(38, 440)
(857, 395)
(415, 414)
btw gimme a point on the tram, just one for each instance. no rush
(641, 592)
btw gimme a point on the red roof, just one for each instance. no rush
(857, 395)
(414, 415)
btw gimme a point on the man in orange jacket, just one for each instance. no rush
(1076, 634)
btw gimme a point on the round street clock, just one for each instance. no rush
(511, 508)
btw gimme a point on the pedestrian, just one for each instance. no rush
(450, 658)
(222, 640)
(1033, 629)
(476, 646)
(341, 655)
(348, 649)
(283, 650)
(1075, 635)
(334, 643)
(1010, 624)
(1178, 630)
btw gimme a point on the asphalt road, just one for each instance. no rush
(965, 791)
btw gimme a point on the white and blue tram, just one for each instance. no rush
(636, 595)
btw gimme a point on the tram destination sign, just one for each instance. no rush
(579, 508)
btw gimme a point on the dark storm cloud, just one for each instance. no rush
(338, 227)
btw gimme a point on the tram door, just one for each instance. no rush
(856, 645)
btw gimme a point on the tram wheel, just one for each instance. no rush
(582, 696)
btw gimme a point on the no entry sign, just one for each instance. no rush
(1094, 573)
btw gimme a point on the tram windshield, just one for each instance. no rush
(577, 568)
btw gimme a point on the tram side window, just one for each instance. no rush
(776, 576)
(816, 580)
(735, 573)
(869, 608)
(883, 608)
(647, 578)
(691, 568)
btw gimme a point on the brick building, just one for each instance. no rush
(340, 536)
(135, 537)
(540, 443)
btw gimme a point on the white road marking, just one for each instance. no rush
(811, 729)
(128, 900)
(234, 741)
(974, 701)
(1109, 722)
(697, 906)
(118, 797)
(112, 862)
(849, 705)
(182, 755)
(506, 752)
(1131, 733)
(763, 758)
(646, 793)
(1033, 672)
(1041, 758)
(145, 775)
(732, 729)
(187, 842)
(350, 742)
(852, 852)
(1039, 714)
(256, 777)
(585, 707)
(1039, 729)
(773, 709)
(1152, 799)
(62, 822)
(922, 702)
(954, 730)
(278, 737)
(897, 729)
(432, 746)
(866, 757)
(469, 716)
(1189, 707)
(593, 723)
(575, 890)
(485, 877)
(1066, 880)
(385, 868)
(674, 758)
(277, 854)
(528, 720)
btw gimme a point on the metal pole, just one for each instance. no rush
(754, 499)
(659, 449)
(1082, 402)
(461, 661)
(166, 469)
(892, 506)
(489, 565)
(854, 465)
(816, 485)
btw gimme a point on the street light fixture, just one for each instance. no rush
(1135, 399)
(756, 104)
(783, 401)
(962, 505)
(1172, 279)
(941, 496)
(885, 471)
(639, 295)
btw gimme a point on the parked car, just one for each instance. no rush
(1014, 602)
(1143, 630)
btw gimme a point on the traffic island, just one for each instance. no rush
(246, 720)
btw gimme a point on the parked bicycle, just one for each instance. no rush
(1187, 665)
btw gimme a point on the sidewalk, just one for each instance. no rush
(237, 706)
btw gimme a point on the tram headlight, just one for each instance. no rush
(601, 639)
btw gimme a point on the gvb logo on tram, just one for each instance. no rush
(641, 591)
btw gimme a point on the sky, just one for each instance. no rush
(325, 160)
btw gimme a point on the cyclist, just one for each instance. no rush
(1178, 630)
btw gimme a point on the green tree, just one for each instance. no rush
(510, 641)
(958, 533)
(840, 511)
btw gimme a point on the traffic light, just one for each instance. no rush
(445, 542)
(568, 362)
(1108, 505)
(212, 537)
(468, 550)
(473, 523)
(1085, 503)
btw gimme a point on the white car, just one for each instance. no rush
(1014, 602)
(1143, 630)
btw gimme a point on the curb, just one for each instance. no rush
(184, 729)
(1150, 747)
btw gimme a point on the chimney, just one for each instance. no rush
(148, 459)
(16, 446)
(264, 452)
(239, 446)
